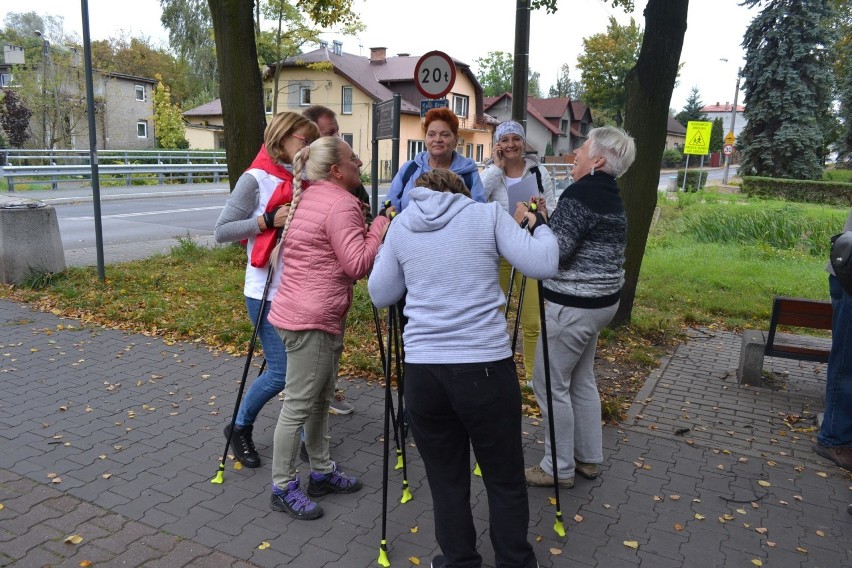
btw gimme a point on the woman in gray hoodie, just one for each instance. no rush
(444, 252)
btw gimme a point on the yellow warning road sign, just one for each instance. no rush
(730, 138)
(697, 137)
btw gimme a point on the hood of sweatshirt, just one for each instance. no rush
(430, 210)
(459, 165)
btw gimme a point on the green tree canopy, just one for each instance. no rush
(168, 121)
(788, 88)
(565, 87)
(604, 64)
(692, 108)
(717, 135)
(495, 72)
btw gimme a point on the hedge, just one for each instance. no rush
(805, 191)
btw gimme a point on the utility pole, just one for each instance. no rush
(521, 62)
(733, 123)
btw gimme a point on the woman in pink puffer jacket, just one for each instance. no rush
(328, 248)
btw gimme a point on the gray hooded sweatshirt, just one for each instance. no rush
(443, 254)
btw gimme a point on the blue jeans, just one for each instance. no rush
(836, 427)
(271, 382)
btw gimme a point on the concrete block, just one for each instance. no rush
(29, 240)
(751, 357)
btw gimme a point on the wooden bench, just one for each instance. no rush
(792, 312)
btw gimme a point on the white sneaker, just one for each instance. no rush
(339, 404)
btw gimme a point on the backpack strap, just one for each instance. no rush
(468, 180)
(537, 173)
(406, 175)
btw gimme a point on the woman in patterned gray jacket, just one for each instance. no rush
(590, 224)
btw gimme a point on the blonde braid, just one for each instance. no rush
(298, 165)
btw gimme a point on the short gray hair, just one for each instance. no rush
(615, 145)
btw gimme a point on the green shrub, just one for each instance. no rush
(672, 158)
(804, 191)
(695, 179)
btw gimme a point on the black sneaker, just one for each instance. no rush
(439, 561)
(320, 484)
(243, 446)
(292, 501)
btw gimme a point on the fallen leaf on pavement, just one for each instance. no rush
(802, 550)
(73, 539)
(822, 474)
(414, 560)
(699, 517)
(678, 527)
(556, 551)
(631, 544)
(757, 562)
(414, 530)
(263, 545)
(761, 530)
(578, 518)
(763, 483)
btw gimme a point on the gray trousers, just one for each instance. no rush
(312, 358)
(572, 337)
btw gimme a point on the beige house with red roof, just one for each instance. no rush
(204, 127)
(349, 85)
(559, 122)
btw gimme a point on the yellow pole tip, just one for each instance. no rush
(406, 496)
(558, 528)
(476, 471)
(383, 558)
(218, 479)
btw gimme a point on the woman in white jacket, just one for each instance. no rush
(510, 165)
(443, 252)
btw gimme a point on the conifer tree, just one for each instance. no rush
(788, 87)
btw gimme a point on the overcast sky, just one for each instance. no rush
(468, 30)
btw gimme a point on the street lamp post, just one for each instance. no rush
(733, 123)
(45, 56)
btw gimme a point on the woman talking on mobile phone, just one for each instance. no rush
(510, 165)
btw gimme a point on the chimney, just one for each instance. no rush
(378, 55)
(337, 47)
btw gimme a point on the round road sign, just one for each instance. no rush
(728, 149)
(435, 74)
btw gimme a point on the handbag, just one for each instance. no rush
(841, 253)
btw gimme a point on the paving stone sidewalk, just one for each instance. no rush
(115, 437)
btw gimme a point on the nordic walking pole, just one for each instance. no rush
(383, 546)
(218, 478)
(377, 321)
(558, 527)
(400, 423)
(518, 316)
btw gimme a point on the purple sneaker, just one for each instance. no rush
(292, 501)
(320, 484)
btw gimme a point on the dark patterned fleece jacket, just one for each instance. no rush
(590, 224)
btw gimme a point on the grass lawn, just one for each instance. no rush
(712, 259)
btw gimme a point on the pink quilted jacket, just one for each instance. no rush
(326, 249)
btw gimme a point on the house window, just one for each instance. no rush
(564, 125)
(468, 151)
(584, 128)
(5, 80)
(267, 97)
(480, 153)
(346, 101)
(142, 129)
(305, 96)
(414, 148)
(140, 92)
(349, 139)
(460, 105)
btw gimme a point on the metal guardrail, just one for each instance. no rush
(58, 166)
